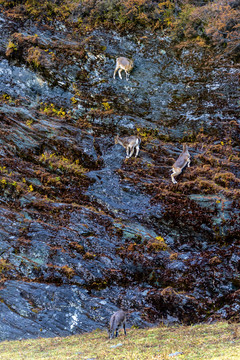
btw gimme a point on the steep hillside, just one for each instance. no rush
(84, 230)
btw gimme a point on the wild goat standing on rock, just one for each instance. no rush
(180, 163)
(129, 143)
(116, 320)
(122, 63)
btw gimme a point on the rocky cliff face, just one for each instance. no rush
(83, 230)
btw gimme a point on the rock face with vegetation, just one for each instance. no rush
(85, 231)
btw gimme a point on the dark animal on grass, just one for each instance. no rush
(117, 320)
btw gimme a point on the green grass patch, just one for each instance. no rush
(217, 341)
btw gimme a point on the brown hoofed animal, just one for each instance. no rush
(117, 319)
(180, 163)
(129, 143)
(122, 63)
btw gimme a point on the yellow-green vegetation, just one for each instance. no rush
(51, 109)
(62, 163)
(74, 100)
(3, 170)
(147, 134)
(6, 98)
(50, 10)
(4, 265)
(188, 22)
(34, 56)
(219, 341)
(29, 123)
(7, 180)
(106, 106)
(10, 48)
(157, 244)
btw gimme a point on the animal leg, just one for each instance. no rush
(173, 179)
(137, 150)
(175, 172)
(119, 73)
(124, 327)
(115, 71)
(117, 332)
(127, 75)
(188, 162)
(132, 151)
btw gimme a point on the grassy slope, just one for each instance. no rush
(217, 341)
